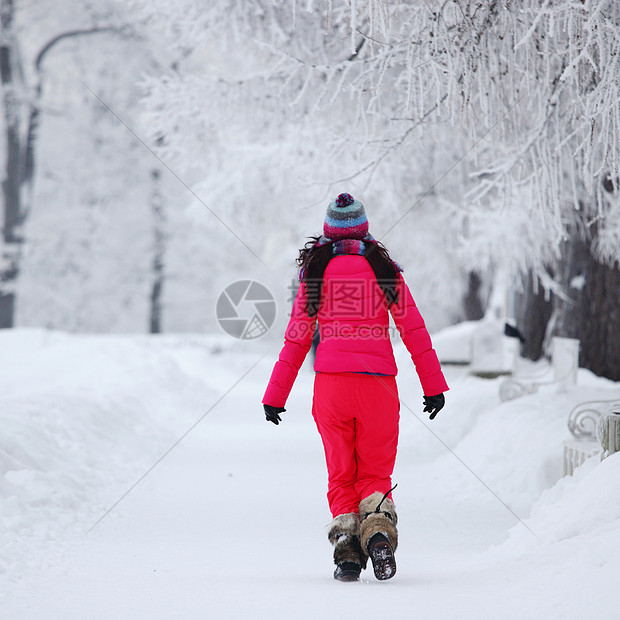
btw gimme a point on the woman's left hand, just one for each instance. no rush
(434, 404)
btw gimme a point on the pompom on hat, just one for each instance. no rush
(345, 219)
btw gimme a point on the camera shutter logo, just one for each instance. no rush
(246, 310)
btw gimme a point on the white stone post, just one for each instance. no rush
(610, 439)
(511, 353)
(565, 357)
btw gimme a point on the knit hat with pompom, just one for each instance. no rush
(345, 219)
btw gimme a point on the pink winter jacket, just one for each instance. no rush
(354, 331)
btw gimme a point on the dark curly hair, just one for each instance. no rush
(313, 261)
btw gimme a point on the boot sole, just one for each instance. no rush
(383, 562)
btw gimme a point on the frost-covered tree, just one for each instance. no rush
(537, 88)
(258, 104)
(22, 90)
(486, 129)
(82, 248)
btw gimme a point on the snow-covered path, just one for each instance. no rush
(231, 525)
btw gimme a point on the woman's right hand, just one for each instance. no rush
(433, 405)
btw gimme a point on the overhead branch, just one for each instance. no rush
(67, 35)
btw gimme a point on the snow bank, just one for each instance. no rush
(517, 446)
(583, 509)
(81, 418)
(515, 449)
(85, 416)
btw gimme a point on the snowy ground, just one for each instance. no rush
(230, 522)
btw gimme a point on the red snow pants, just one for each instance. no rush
(357, 416)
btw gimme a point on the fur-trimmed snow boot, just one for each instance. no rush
(378, 533)
(344, 534)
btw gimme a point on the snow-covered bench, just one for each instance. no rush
(595, 426)
(481, 345)
(562, 371)
(493, 353)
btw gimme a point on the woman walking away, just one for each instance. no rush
(349, 284)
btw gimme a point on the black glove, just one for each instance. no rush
(434, 404)
(271, 413)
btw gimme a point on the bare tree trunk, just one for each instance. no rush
(159, 239)
(572, 277)
(533, 310)
(600, 320)
(22, 124)
(11, 184)
(587, 308)
(472, 301)
(591, 309)
(35, 105)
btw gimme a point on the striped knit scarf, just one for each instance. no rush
(347, 246)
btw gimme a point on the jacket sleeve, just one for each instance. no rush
(297, 343)
(415, 336)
